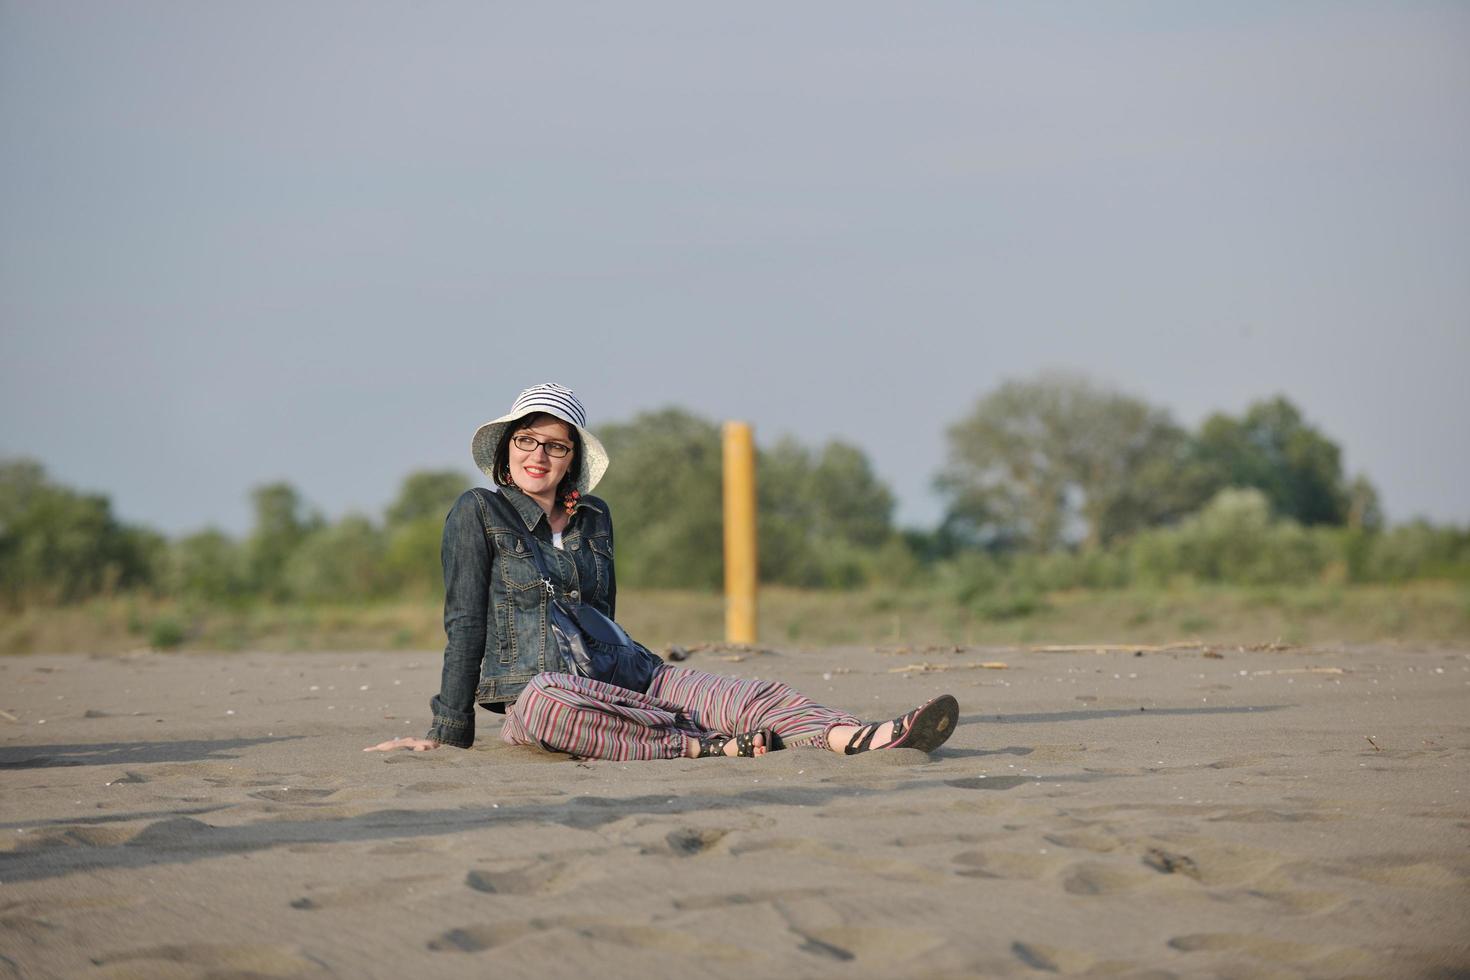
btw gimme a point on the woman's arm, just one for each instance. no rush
(404, 742)
(465, 555)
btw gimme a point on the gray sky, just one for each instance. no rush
(321, 242)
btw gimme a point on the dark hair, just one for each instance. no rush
(502, 452)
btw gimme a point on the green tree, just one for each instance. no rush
(416, 528)
(823, 517)
(281, 525)
(60, 545)
(208, 565)
(1419, 549)
(1043, 462)
(664, 489)
(340, 562)
(1273, 449)
(427, 495)
(412, 557)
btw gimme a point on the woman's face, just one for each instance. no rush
(537, 472)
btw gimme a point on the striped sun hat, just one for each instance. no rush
(555, 400)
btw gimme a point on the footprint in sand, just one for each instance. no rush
(1267, 815)
(696, 903)
(1059, 959)
(173, 832)
(688, 841)
(1220, 867)
(1171, 863)
(292, 794)
(1052, 959)
(220, 959)
(843, 857)
(386, 891)
(1291, 901)
(988, 782)
(930, 838)
(1095, 841)
(1324, 960)
(1239, 761)
(869, 945)
(24, 927)
(651, 939)
(815, 946)
(1409, 872)
(1006, 864)
(537, 878)
(1208, 861)
(81, 835)
(1097, 878)
(227, 781)
(128, 778)
(428, 788)
(477, 939)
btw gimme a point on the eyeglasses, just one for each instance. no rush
(529, 444)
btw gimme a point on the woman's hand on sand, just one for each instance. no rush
(404, 742)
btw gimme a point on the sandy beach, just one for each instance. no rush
(1274, 813)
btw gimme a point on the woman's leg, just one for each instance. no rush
(925, 728)
(730, 705)
(587, 718)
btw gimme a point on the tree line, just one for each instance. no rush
(1050, 483)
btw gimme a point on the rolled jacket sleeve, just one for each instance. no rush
(465, 556)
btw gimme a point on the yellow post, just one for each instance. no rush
(739, 533)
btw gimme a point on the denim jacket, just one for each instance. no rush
(494, 605)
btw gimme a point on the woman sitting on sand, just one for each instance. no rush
(544, 462)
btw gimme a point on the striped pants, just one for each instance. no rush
(593, 720)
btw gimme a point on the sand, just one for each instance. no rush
(1164, 814)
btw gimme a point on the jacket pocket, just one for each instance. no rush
(515, 598)
(517, 566)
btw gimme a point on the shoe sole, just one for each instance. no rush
(932, 726)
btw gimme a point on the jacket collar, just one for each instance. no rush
(529, 510)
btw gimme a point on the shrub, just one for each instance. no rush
(342, 561)
(165, 634)
(208, 565)
(1010, 603)
(1233, 539)
(1418, 550)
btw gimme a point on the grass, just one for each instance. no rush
(1421, 613)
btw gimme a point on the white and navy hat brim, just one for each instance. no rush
(551, 399)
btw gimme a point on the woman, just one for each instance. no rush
(544, 462)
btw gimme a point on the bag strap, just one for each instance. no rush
(530, 541)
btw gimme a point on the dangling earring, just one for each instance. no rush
(570, 500)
